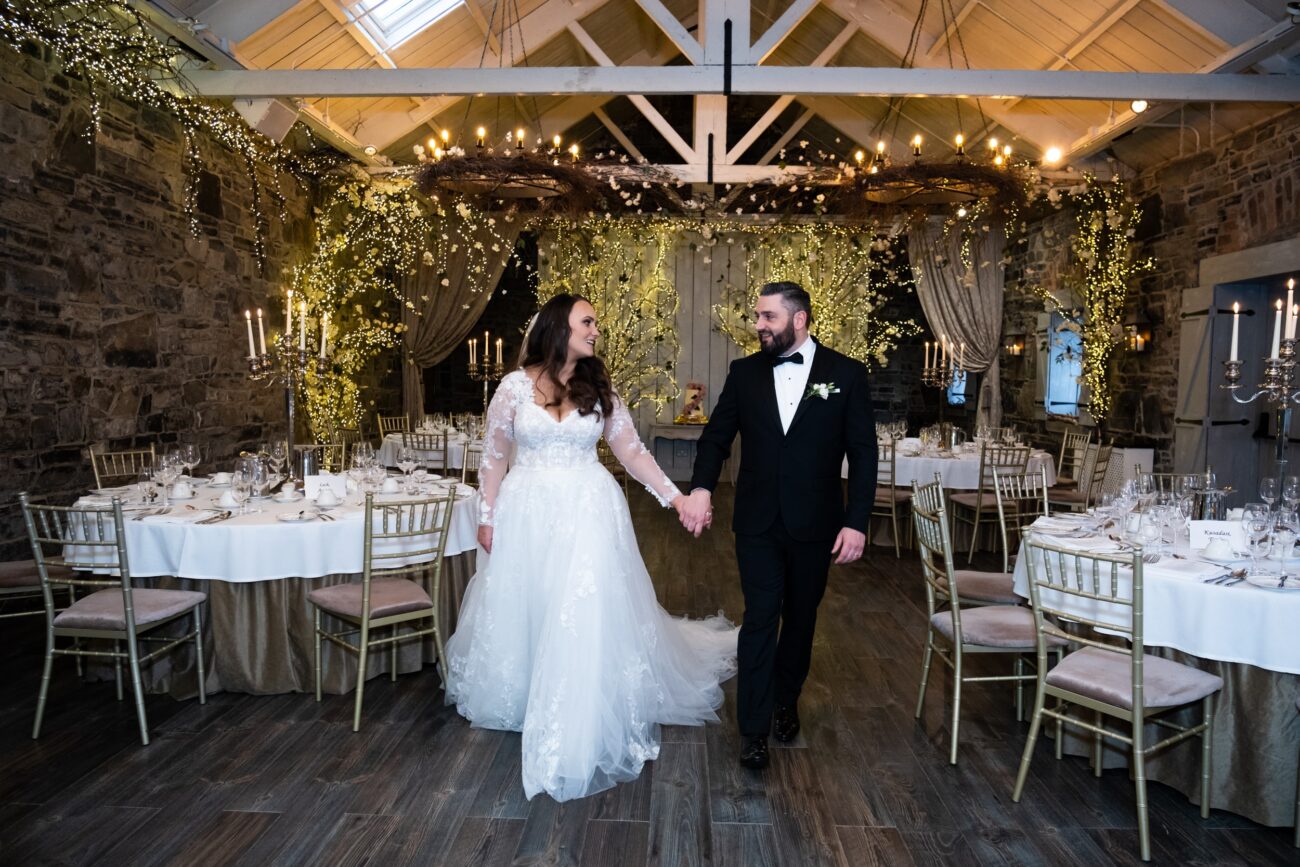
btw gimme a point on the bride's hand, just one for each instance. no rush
(485, 537)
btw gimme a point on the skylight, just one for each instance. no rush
(392, 22)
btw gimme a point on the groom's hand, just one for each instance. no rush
(849, 545)
(696, 511)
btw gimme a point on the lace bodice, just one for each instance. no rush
(516, 421)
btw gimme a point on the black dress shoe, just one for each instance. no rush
(754, 754)
(785, 723)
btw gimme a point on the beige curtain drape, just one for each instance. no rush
(444, 313)
(964, 302)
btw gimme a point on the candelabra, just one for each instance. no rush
(941, 376)
(1278, 388)
(286, 365)
(485, 372)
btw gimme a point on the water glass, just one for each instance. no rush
(1268, 490)
(406, 462)
(1291, 493)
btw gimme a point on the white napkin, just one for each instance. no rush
(182, 517)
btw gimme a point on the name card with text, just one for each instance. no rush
(312, 484)
(1204, 532)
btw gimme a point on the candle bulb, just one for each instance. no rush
(288, 315)
(485, 347)
(498, 352)
(1277, 330)
(302, 327)
(261, 332)
(961, 360)
(472, 354)
(248, 320)
(324, 324)
(927, 353)
(1236, 324)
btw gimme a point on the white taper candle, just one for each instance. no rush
(1236, 325)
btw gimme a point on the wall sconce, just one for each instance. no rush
(1137, 334)
(1015, 345)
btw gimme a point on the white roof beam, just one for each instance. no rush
(941, 44)
(616, 131)
(1277, 38)
(484, 27)
(643, 105)
(687, 44)
(826, 56)
(782, 27)
(773, 81)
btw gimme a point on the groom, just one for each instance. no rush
(800, 408)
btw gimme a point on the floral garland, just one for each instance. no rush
(370, 235)
(110, 46)
(849, 276)
(620, 268)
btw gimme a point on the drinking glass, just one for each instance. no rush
(1286, 528)
(1256, 521)
(241, 488)
(145, 485)
(276, 456)
(190, 457)
(406, 462)
(364, 451)
(1291, 493)
(165, 473)
(1268, 490)
(1149, 532)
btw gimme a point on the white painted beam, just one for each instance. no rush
(780, 29)
(484, 26)
(826, 56)
(940, 46)
(772, 81)
(358, 33)
(643, 105)
(619, 135)
(687, 44)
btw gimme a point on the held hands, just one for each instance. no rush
(849, 545)
(485, 537)
(695, 511)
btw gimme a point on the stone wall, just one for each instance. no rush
(117, 327)
(1242, 192)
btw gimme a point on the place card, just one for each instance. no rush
(1203, 532)
(312, 484)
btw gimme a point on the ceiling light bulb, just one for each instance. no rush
(519, 137)
(960, 139)
(446, 136)
(859, 156)
(961, 212)
(997, 160)
(1006, 151)
(993, 144)
(1138, 106)
(433, 143)
(556, 141)
(1053, 155)
(880, 146)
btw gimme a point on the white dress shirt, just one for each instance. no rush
(791, 380)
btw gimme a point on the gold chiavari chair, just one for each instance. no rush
(470, 459)
(974, 586)
(890, 499)
(1116, 680)
(954, 631)
(1080, 499)
(1069, 463)
(117, 468)
(329, 456)
(348, 437)
(1022, 498)
(391, 424)
(432, 449)
(1164, 483)
(611, 462)
(83, 540)
(395, 534)
(976, 508)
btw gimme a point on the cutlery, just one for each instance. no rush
(218, 517)
(1150, 558)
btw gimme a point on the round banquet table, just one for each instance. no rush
(959, 472)
(455, 450)
(1245, 635)
(257, 571)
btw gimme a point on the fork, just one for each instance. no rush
(1150, 558)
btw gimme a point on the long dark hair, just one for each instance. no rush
(548, 350)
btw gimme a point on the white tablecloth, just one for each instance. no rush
(455, 450)
(958, 473)
(260, 547)
(1241, 623)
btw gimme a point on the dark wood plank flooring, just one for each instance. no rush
(282, 780)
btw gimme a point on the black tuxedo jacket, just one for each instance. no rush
(796, 475)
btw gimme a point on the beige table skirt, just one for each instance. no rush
(1256, 743)
(259, 637)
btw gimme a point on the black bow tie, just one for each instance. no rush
(793, 358)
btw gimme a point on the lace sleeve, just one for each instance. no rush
(497, 443)
(620, 434)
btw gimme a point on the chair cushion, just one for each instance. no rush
(22, 573)
(993, 626)
(103, 608)
(1057, 494)
(388, 596)
(986, 586)
(971, 499)
(1107, 676)
(901, 495)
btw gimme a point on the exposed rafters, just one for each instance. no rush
(782, 27)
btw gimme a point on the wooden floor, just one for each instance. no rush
(282, 780)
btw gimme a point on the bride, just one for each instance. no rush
(560, 635)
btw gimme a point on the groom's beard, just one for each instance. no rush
(774, 343)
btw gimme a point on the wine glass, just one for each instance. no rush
(1268, 490)
(406, 462)
(165, 473)
(241, 488)
(276, 456)
(365, 452)
(1150, 530)
(1256, 522)
(1286, 528)
(1291, 493)
(145, 484)
(190, 457)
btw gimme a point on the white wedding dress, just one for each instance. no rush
(560, 635)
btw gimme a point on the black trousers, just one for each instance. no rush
(783, 580)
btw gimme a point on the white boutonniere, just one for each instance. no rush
(821, 389)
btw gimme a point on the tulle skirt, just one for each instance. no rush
(560, 637)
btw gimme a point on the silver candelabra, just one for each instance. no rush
(1278, 388)
(486, 372)
(286, 365)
